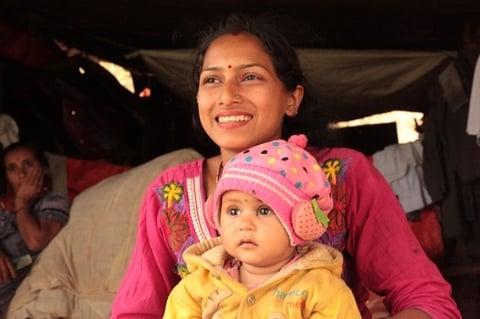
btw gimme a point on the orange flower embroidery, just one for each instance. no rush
(178, 228)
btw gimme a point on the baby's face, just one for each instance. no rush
(252, 233)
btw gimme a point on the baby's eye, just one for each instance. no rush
(233, 211)
(29, 163)
(265, 210)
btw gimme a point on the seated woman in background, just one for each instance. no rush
(30, 215)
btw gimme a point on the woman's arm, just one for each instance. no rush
(410, 314)
(388, 258)
(7, 270)
(36, 233)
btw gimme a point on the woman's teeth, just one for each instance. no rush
(234, 118)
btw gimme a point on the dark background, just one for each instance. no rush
(42, 88)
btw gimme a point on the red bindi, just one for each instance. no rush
(229, 66)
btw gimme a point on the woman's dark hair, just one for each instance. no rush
(37, 152)
(283, 56)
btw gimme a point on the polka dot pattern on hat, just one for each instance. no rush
(283, 175)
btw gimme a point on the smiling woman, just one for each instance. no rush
(249, 103)
(241, 100)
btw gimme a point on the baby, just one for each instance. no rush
(271, 201)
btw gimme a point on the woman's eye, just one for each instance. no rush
(11, 169)
(29, 163)
(250, 77)
(210, 80)
(264, 211)
(233, 211)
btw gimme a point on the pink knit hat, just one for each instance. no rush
(285, 177)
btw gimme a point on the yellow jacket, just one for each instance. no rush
(310, 287)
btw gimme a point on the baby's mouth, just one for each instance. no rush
(247, 243)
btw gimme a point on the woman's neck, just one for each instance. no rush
(210, 172)
(227, 155)
(212, 168)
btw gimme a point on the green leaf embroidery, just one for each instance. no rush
(319, 214)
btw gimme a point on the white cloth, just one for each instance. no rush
(393, 161)
(473, 122)
(411, 190)
(8, 130)
(401, 165)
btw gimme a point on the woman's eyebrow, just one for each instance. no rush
(250, 65)
(211, 68)
(241, 66)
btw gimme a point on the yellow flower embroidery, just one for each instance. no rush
(172, 193)
(331, 169)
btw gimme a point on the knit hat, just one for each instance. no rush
(285, 177)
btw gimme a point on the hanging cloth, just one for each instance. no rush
(473, 122)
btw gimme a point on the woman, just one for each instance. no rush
(30, 215)
(248, 80)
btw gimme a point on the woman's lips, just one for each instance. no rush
(225, 119)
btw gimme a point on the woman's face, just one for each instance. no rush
(241, 100)
(19, 164)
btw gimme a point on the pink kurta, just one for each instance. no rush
(367, 225)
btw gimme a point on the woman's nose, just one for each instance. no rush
(23, 171)
(230, 93)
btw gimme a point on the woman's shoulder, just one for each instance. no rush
(180, 173)
(337, 153)
(340, 158)
(175, 179)
(53, 206)
(54, 200)
(343, 165)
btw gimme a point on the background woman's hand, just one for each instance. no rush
(7, 270)
(31, 187)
